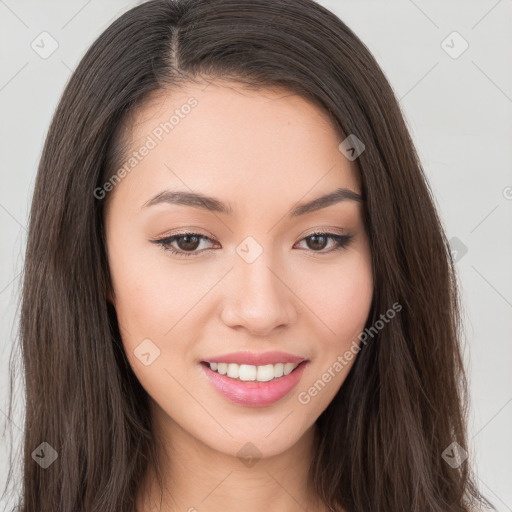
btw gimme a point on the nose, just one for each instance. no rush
(258, 298)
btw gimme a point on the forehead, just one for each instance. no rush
(229, 141)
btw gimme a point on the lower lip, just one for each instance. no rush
(253, 393)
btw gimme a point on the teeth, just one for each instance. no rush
(265, 373)
(289, 367)
(249, 372)
(233, 370)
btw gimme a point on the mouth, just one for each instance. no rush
(253, 385)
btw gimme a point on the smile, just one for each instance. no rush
(253, 385)
(249, 372)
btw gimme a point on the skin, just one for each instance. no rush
(262, 152)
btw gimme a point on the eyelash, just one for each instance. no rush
(342, 242)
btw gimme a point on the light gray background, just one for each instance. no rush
(458, 110)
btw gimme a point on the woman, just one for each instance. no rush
(238, 293)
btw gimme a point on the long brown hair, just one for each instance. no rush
(380, 441)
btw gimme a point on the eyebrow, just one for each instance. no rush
(201, 201)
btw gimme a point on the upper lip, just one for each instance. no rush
(255, 358)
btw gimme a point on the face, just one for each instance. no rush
(249, 280)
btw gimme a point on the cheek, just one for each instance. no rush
(148, 290)
(148, 305)
(342, 300)
(340, 297)
(353, 303)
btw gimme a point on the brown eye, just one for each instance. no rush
(318, 242)
(187, 242)
(184, 244)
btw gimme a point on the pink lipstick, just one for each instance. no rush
(254, 379)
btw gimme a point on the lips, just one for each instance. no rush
(254, 393)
